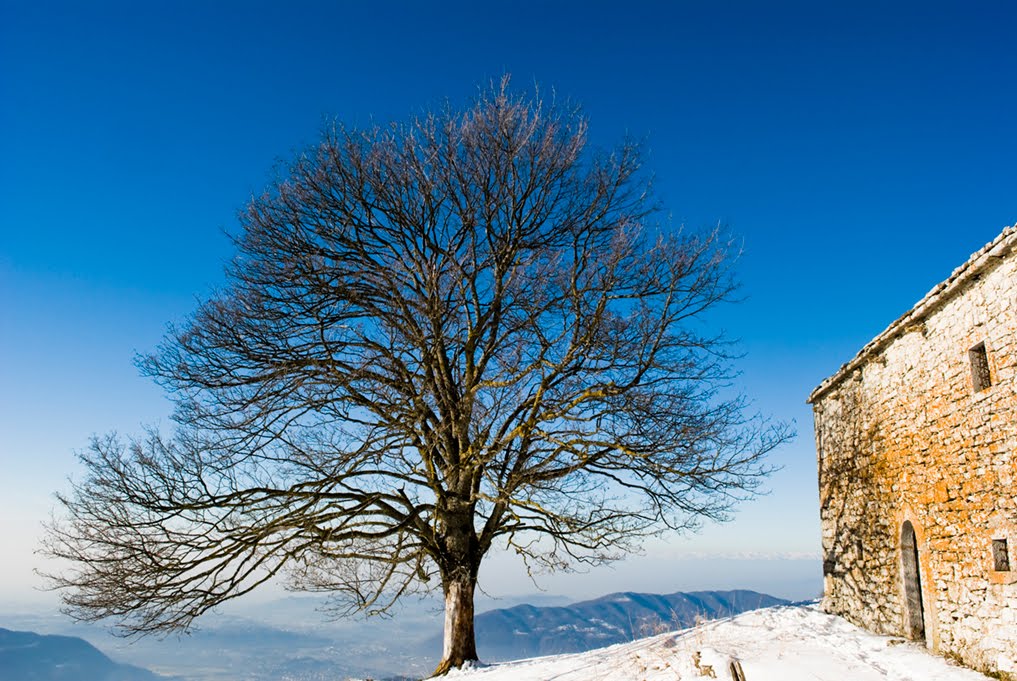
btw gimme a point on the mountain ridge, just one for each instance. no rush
(28, 656)
(528, 631)
(288, 640)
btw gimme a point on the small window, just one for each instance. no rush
(1000, 557)
(979, 368)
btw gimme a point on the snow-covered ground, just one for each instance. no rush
(772, 644)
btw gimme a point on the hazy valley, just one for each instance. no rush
(291, 640)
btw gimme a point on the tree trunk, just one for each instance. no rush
(460, 642)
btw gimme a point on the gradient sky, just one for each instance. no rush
(861, 150)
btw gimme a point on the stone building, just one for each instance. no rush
(917, 446)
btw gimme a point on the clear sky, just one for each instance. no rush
(861, 150)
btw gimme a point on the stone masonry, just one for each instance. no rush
(917, 447)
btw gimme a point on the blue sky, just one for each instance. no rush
(861, 151)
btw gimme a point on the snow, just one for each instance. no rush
(793, 643)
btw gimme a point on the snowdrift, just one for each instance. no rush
(789, 643)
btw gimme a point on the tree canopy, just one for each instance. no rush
(462, 332)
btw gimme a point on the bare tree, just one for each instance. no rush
(441, 337)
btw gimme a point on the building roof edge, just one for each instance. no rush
(981, 260)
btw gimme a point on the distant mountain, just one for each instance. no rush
(528, 631)
(293, 642)
(27, 656)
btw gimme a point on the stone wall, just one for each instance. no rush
(903, 435)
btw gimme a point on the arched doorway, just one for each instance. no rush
(915, 628)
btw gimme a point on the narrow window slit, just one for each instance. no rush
(979, 367)
(1000, 556)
